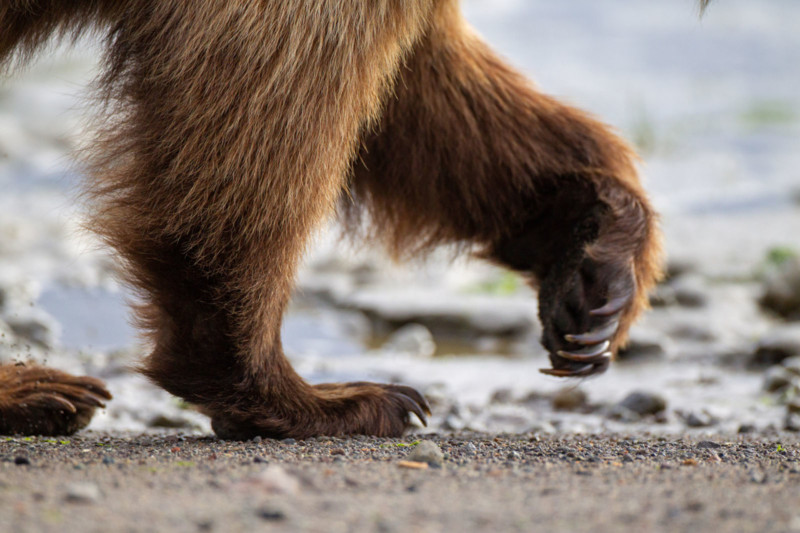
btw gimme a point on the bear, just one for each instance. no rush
(230, 130)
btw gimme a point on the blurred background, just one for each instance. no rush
(713, 106)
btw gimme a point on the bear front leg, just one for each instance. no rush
(35, 400)
(470, 154)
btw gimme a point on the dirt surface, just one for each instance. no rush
(102, 482)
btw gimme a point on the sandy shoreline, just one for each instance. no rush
(112, 482)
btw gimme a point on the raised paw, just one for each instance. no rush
(583, 316)
(36, 400)
(332, 409)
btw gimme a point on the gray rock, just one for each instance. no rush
(644, 345)
(777, 345)
(782, 289)
(644, 403)
(792, 422)
(777, 379)
(690, 292)
(427, 452)
(82, 492)
(412, 339)
(699, 419)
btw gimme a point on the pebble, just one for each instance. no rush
(777, 379)
(791, 422)
(20, 460)
(777, 345)
(569, 399)
(699, 420)
(413, 339)
(271, 514)
(427, 452)
(689, 291)
(470, 449)
(274, 480)
(82, 492)
(782, 289)
(644, 345)
(644, 403)
(708, 445)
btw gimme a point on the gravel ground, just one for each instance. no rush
(170, 482)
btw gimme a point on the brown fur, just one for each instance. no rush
(230, 132)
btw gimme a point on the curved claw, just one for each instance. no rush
(595, 336)
(613, 306)
(591, 354)
(413, 407)
(584, 370)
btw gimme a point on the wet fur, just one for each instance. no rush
(231, 130)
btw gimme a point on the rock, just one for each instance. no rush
(699, 419)
(782, 289)
(502, 396)
(708, 445)
(623, 414)
(690, 291)
(273, 480)
(792, 365)
(82, 492)
(470, 449)
(427, 452)
(21, 460)
(644, 403)
(746, 428)
(791, 422)
(777, 345)
(644, 345)
(412, 339)
(41, 330)
(777, 379)
(569, 399)
(271, 514)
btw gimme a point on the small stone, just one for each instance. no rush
(502, 396)
(782, 289)
(257, 439)
(413, 339)
(289, 441)
(260, 460)
(644, 403)
(777, 378)
(644, 345)
(776, 346)
(271, 514)
(470, 449)
(273, 480)
(690, 291)
(746, 428)
(82, 493)
(708, 445)
(569, 399)
(699, 420)
(792, 422)
(427, 452)
(107, 460)
(21, 460)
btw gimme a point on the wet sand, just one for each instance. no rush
(103, 482)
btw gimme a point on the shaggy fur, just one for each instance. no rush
(231, 129)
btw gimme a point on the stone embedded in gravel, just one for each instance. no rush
(82, 492)
(782, 290)
(708, 445)
(777, 345)
(271, 514)
(569, 399)
(427, 452)
(21, 460)
(273, 480)
(644, 403)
